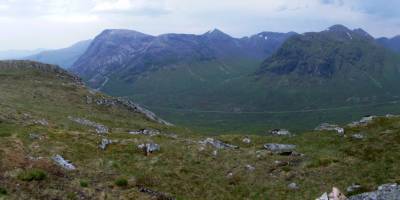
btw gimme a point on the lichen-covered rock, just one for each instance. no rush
(334, 195)
(42, 122)
(280, 132)
(363, 121)
(218, 144)
(35, 136)
(293, 186)
(246, 140)
(149, 148)
(358, 136)
(148, 132)
(384, 192)
(63, 163)
(100, 129)
(104, 143)
(250, 168)
(283, 149)
(330, 127)
(353, 187)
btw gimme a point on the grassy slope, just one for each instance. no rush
(181, 169)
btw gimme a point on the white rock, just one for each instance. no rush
(63, 163)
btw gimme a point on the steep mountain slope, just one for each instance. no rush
(63, 57)
(334, 67)
(391, 43)
(55, 139)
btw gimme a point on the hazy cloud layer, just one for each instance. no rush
(28, 24)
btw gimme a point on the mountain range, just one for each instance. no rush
(218, 81)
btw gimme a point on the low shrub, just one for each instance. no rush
(121, 182)
(32, 175)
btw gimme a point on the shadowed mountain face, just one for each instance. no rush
(129, 54)
(63, 57)
(326, 53)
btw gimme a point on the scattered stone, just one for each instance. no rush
(363, 122)
(217, 144)
(384, 192)
(390, 116)
(282, 149)
(323, 197)
(148, 132)
(100, 129)
(334, 195)
(149, 148)
(89, 100)
(104, 143)
(293, 186)
(63, 163)
(157, 195)
(41, 122)
(215, 153)
(246, 140)
(35, 136)
(358, 136)
(354, 187)
(330, 127)
(280, 132)
(250, 168)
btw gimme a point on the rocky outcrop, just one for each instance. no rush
(246, 140)
(148, 132)
(358, 136)
(293, 186)
(42, 122)
(128, 104)
(63, 163)
(363, 121)
(334, 195)
(384, 192)
(104, 143)
(282, 149)
(330, 127)
(100, 129)
(217, 144)
(149, 148)
(280, 132)
(156, 194)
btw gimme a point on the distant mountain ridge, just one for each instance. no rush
(391, 43)
(131, 53)
(17, 54)
(64, 57)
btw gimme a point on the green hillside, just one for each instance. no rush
(41, 106)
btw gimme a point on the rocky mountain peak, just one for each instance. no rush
(217, 34)
(338, 28)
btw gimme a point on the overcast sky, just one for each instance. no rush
(30, 24)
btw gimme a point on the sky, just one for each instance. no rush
(51, 24)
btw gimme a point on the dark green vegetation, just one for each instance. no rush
(183, 168)
(32, 175)
(121, 182)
